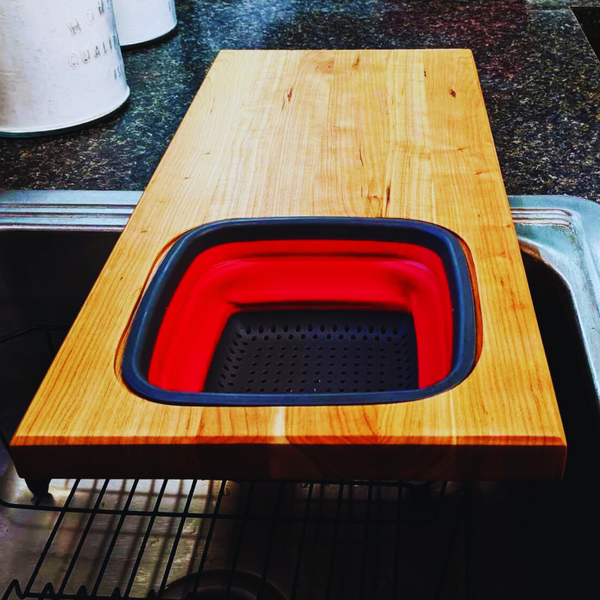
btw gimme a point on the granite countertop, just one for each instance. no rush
(540, 79)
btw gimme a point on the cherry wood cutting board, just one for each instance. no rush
(373, 133)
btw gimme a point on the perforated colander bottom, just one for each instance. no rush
(310, 351)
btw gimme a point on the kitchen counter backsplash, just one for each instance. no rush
(540, 79)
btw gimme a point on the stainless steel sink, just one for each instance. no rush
(302, 540)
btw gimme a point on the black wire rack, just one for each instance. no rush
(268, 540)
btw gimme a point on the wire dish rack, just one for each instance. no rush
(246, 540)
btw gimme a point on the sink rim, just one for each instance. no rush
(538, 219)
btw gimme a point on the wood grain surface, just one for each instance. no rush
(351, 133)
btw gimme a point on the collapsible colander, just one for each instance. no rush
(297, 311)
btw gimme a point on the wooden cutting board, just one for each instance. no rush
(371, 133)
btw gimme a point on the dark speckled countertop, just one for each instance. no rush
(540, 79)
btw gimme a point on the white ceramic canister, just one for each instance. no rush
(140, 21)
(60, 65)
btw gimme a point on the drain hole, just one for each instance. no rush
(217, 584)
